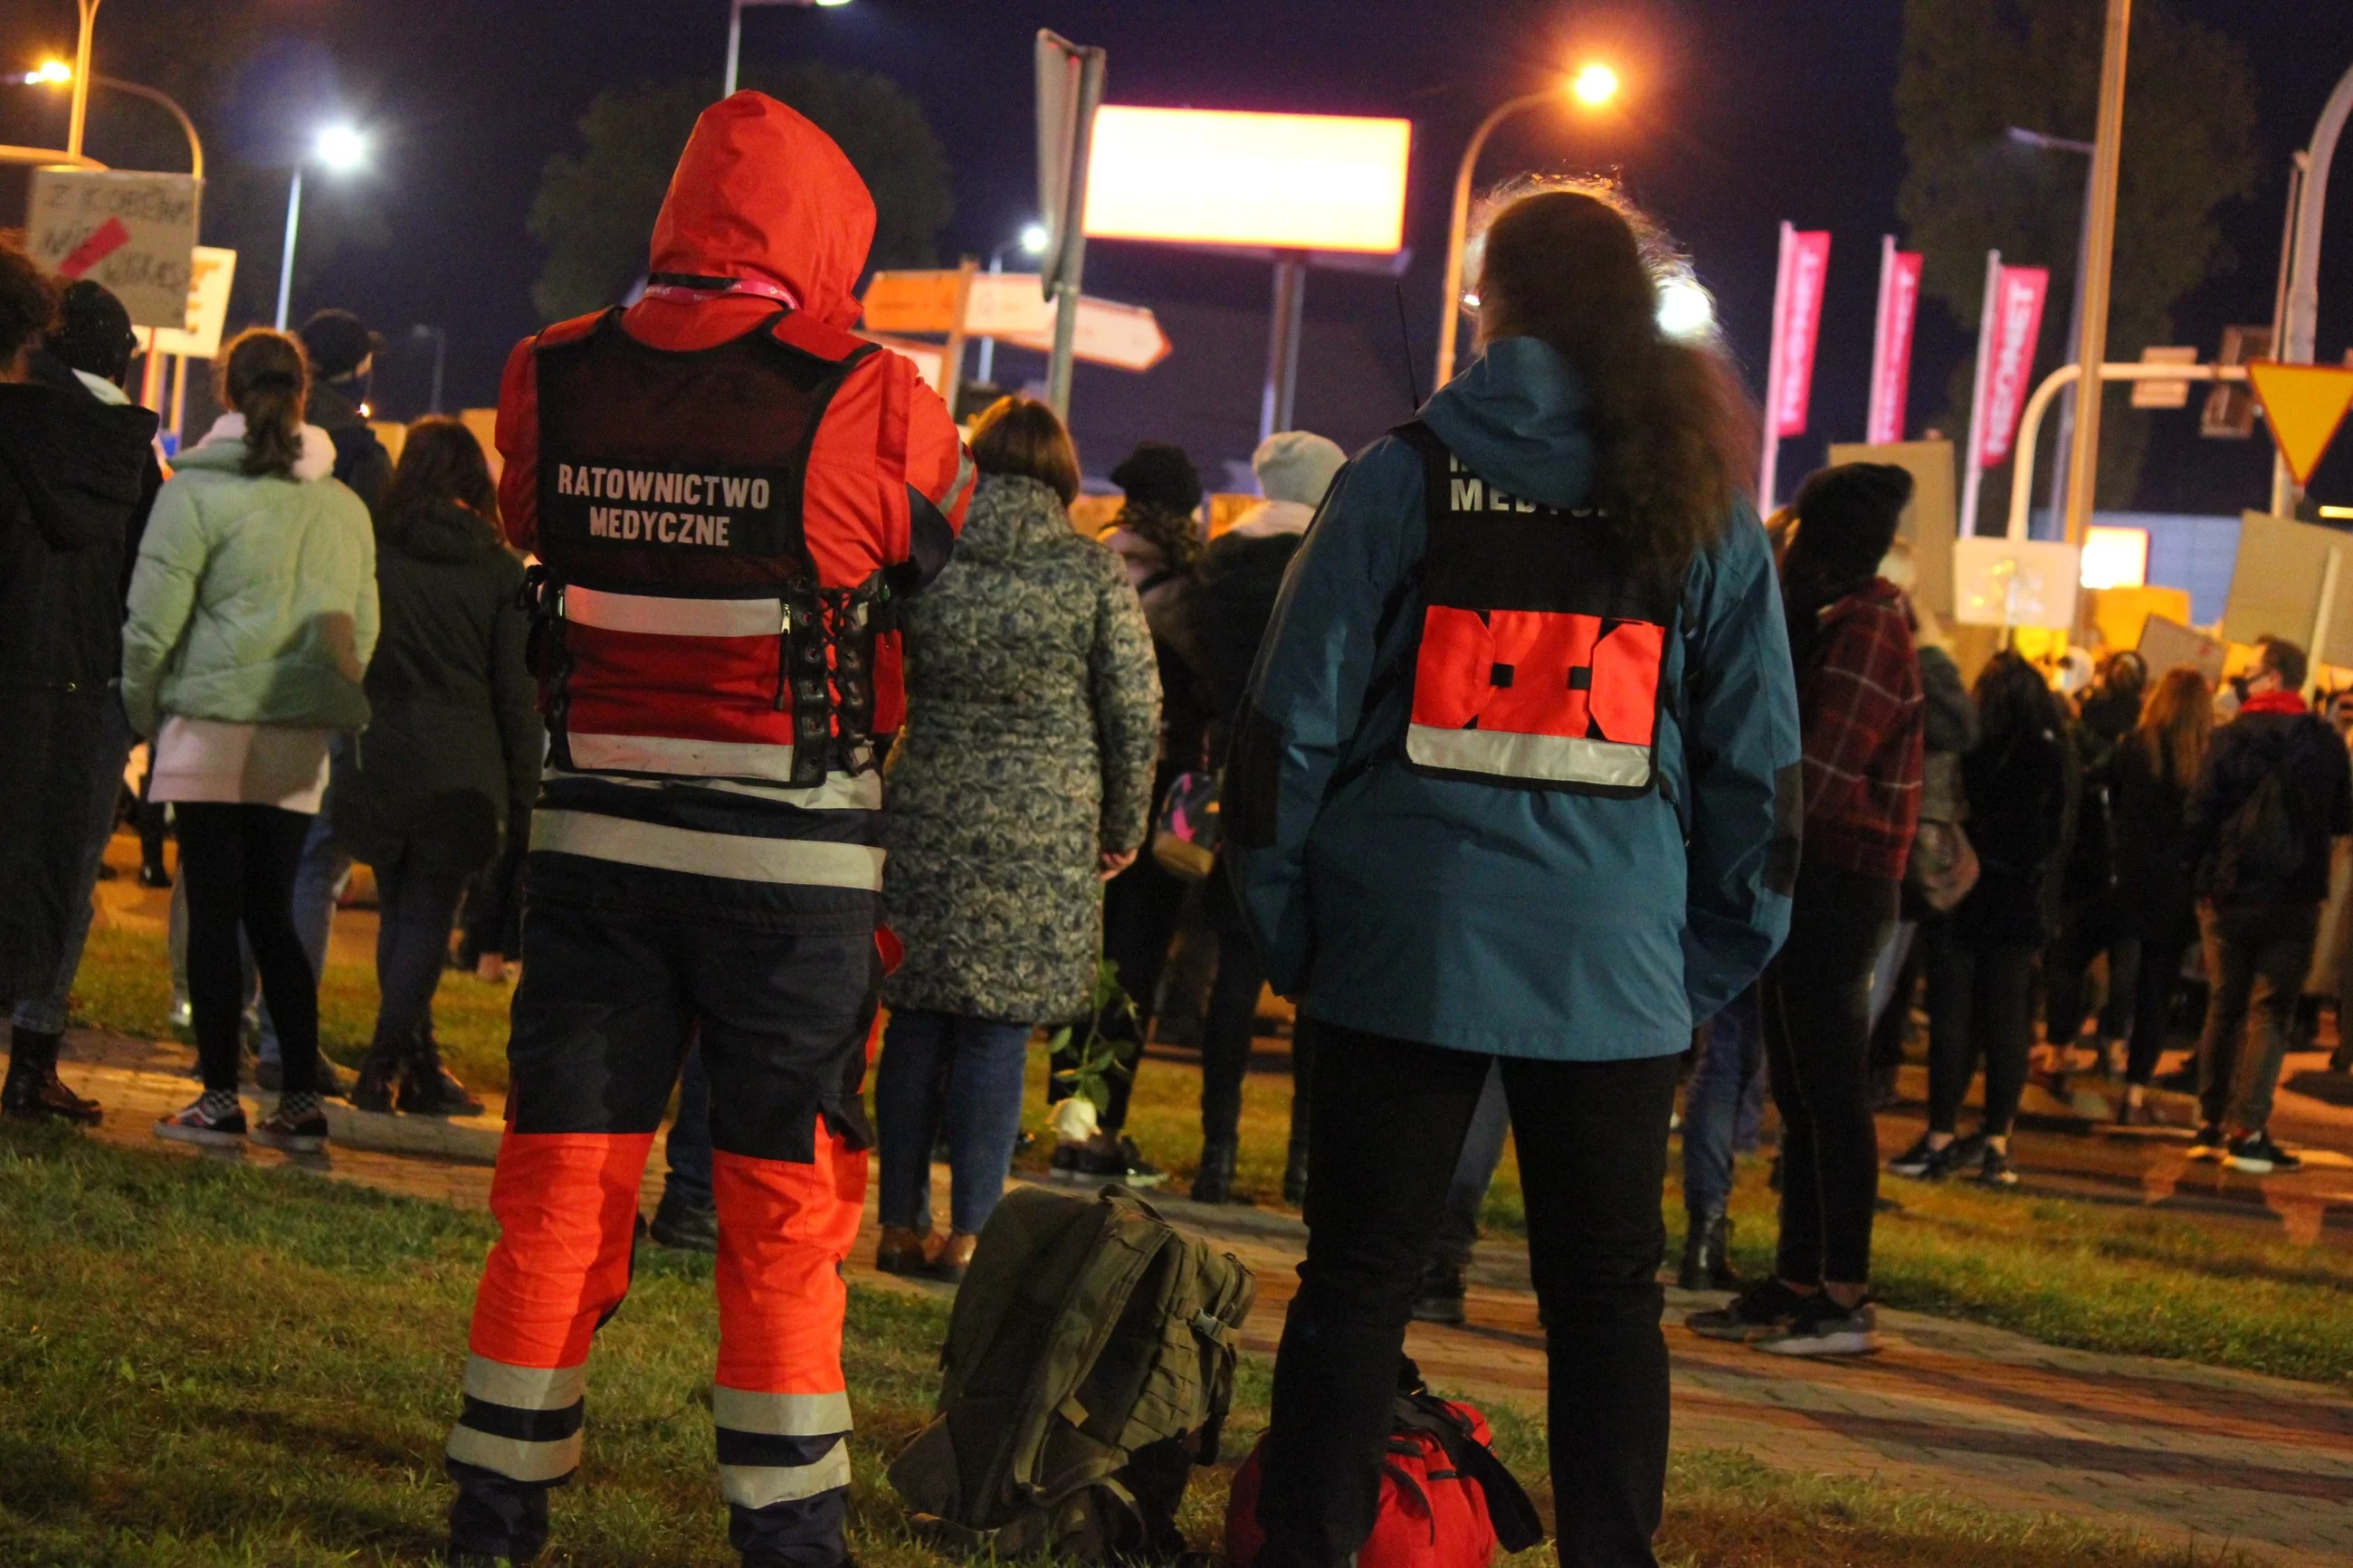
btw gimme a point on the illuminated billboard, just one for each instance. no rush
(1291, 181)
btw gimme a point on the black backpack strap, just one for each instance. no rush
(1517, 1525)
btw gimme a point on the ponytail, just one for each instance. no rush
(263, 376)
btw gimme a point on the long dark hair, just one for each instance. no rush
(441, 461)
(2176, 725)
(265, 376)
(2013, 700)
(1575, 264)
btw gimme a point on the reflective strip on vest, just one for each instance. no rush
(732, 857)
(1555, 759)
(661, 616)
(760, 1486)
(687, 759)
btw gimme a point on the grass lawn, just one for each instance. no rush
(203, 1363)
(2097, 1277)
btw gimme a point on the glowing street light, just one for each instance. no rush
(1686, 310)
(49, 73)
(54, 72)
(339, 149)
(1594, 85)
(1033, 236)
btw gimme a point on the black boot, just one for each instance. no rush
(1439, 1298)
(428, 1089)
(1707, 1265)
(1295, 1175)
(379, 1078)
(34, 1091)
(1213, 1181)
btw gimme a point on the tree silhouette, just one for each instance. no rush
(1970, 71)
(595, 209)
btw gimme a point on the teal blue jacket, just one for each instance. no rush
(1518, 922)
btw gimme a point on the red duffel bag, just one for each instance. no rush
(1447, 1501)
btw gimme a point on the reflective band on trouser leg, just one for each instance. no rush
(566, 1205)
(780, 1402)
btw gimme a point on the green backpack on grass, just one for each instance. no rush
(1089, 1365)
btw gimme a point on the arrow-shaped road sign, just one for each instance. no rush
(1007, 306)
(2303, 405)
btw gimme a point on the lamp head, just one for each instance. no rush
(341, 148)
(1034, 239)
(49, 73)
(1594, 84)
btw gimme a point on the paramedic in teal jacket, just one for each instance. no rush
(1560, 829)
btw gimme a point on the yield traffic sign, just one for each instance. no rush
(2303, 405)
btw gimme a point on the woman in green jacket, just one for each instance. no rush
(253, 615)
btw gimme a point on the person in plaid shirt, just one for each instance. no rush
(1860, 708)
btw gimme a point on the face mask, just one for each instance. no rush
(1898, 567)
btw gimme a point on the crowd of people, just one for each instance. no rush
(1540, 761)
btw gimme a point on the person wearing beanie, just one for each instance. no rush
(1859, 714)
(1158, 537)
(1241, 572)
(343, 353)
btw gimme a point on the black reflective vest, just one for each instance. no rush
(1542, 655)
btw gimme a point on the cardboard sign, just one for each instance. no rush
(214, 269)
(2276, 584)
(134, 233)
(2167, 644)
(2002, 582)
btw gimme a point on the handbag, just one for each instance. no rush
(1186, 837)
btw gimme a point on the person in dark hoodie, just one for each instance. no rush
(1241, 576)
(1517, 779)
(450, 759)
(2273, 793)
(76, 474)
(343, 352)
(1859, 699)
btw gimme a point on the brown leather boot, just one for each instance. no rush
(903, 1251)
(34, 1091)
(379, 1078)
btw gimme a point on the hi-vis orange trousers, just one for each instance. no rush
(603, 1017)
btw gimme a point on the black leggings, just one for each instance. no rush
(1389, 1122)
(238, 863)
(2159, 976)
(1816, 1005)
(1980, 1003)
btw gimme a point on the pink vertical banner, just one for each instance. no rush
(1805, 262)
(2017, 322)
(1891, 345)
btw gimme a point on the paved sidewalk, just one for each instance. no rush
(2181, 1453)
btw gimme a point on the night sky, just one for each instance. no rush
(1736, 113)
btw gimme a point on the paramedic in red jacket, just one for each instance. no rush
(728, 493)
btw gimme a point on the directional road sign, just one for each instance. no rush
(1008, 306)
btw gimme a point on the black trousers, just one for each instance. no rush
(238, 864)
(2154, 982)
(1816, 1005)
(1388, 1124)
(1980, 1004)
(1231, 1031)
(2256, 959)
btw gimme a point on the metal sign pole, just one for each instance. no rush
(1972, 475)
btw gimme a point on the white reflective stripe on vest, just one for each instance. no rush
(687, 759)
(673, 617)
(740, 857)
(779, 1415)
(759, 1486)
(1553, 759)
(512, 1456)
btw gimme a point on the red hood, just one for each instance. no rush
(760, 192)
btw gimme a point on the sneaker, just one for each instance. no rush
(1924, 1162)
(215, 1120)
(153, 875)
(2211, 1143)
(183, 1015)
(1994, 1170)
(1762, 1309)
(1438, 1300)
(2257, 1156)
(304, 1132)
(1822, 1326)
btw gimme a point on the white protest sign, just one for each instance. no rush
(134, 233)
(208, 290)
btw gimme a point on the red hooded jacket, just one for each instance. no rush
(763, 197)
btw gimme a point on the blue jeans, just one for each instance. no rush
(940, 1067)
(1474, 1171)
(46, 1015)
(688, 1147)
(416, 903)
(318, 882)
(1725, 1103)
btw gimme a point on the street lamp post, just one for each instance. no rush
(338, 148)
(2099, 256)
(2049, 144)
(56, 73)
(80, 111)
(735, 31)
(1594, 85)
(440, 340)
(1031, 243)
(2303, 312)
